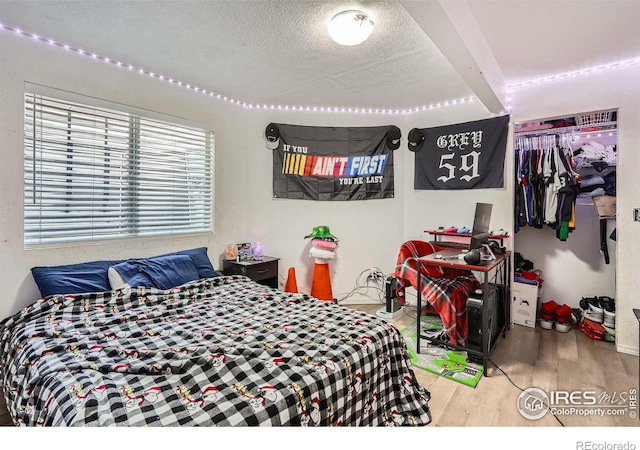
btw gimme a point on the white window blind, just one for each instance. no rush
(94, 173)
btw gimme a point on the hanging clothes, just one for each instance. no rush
(547, 184)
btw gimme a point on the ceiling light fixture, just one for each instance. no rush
(350, 27)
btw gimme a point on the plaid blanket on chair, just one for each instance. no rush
(445, 289)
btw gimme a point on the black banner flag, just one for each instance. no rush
(462, 156)
(332, 163)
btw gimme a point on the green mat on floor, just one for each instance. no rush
(449, 364)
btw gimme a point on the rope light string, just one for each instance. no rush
(329, 109)
(567, 75)
(257, 106)
(577, 73)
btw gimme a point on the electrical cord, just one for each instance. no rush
(364, 284)
(361, 283)
(412, 311)
(522, 390)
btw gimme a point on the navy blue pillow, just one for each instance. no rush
(93, 276)
(73, 278)
(201, 260)
(161, 272)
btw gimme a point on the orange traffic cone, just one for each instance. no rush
(321, 284)
(292, 284)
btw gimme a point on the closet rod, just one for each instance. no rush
(564, 130)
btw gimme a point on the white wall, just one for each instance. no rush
(428, 210)
(366, 229)
(575, 268)
(370, 232)
(24, 60)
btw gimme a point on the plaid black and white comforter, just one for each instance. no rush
(222, 351)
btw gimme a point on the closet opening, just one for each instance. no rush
(565, 204)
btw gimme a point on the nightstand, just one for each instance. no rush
(264, 272)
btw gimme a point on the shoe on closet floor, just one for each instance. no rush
(591, 309)
(563, 318)
(609, 319)
(609, 308)
(609, 334)
(576, 316)
(546, 324)
(592, 329)
(548, 314)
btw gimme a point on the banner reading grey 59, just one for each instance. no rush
(461, 156)
(334, 163)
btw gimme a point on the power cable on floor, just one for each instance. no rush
(522, 390)
(364, 284)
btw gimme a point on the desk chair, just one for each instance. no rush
(445, 289)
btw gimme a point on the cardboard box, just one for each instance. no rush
(525, 303)
(605, 206)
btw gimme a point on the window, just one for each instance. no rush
(103, 172)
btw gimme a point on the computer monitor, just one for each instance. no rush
(481, 222)
(478, 241)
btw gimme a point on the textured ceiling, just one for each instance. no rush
(278, 52)
(532, 39)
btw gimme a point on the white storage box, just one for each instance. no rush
(525, 303)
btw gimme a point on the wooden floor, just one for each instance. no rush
(540, 358)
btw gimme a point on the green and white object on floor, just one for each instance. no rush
(609, 334)
(449, 364)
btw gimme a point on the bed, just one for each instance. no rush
(214, 351)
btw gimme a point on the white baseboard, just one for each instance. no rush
(628, 350)
(360, 301)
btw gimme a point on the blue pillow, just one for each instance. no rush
(201, 260)
(93, 276)
(73, 278)
(161, 272)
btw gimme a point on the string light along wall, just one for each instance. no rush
(563, 76)
(329, 109)
(225, 98)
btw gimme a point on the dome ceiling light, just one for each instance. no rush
(350, 27)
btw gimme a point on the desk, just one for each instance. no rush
(495, 272)
(438, 235)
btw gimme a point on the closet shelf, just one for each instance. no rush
(589, 128)
(590, 165)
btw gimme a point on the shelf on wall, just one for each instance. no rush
(590, 165)
(590, 128)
